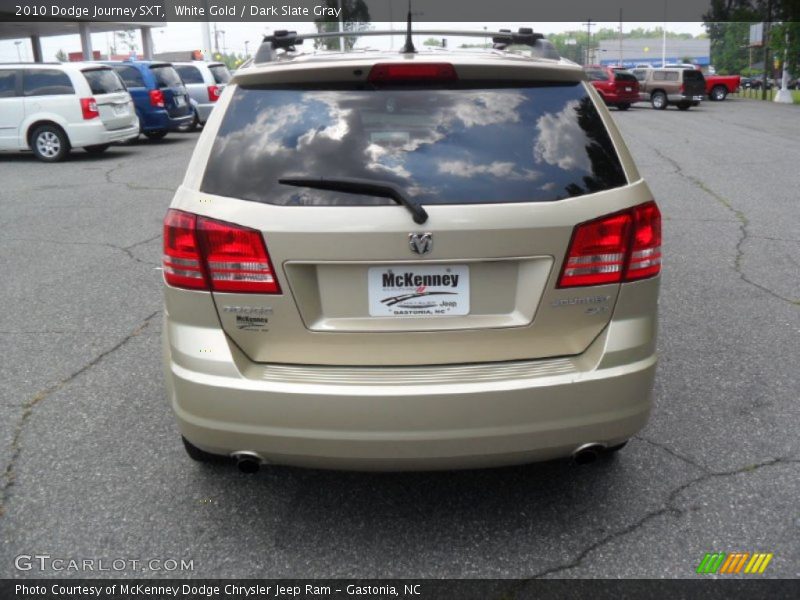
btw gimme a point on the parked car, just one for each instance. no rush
(678, 86)
(414, 261)
(756, 82)
(51, 108)
(617, 87)
(162, 102)
(204, 82)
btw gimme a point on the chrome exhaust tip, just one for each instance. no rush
(587, 453)
(247, 461)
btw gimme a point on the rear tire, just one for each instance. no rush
(154, 136)
(623, 106)
(718, 93)
(200, 455)
(49, 143)
(98, 149)
(659, 100)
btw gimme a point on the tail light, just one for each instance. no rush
(402, 72)
(625, 246)
(89, 108)
(645, 255)
(182, 263)
(205, 254)
(682, 89)
(213, 93)
(157, 98)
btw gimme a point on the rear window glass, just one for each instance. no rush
(692, 75)
(131, 76)
(166, 76)
(443, 146)
(46, 82)
(624, 76)
(596, 75)
(220, 73)
(103, 81)
(8, 84)
(189, 74)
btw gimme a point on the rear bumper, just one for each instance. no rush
(612, 98)
(95, 133)
(677, 98)
(159, 120)
(391, 418)
(204, 111)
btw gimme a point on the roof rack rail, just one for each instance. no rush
(502, 39)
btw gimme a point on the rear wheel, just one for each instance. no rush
(200, 455)
(659, 100)
(719, 93)
(49, 143)
(684, 106)
(98, 149)
(623, 106)
(155, 135)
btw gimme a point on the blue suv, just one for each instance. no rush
(161, 100)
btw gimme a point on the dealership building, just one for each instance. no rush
(36, 30)
(633, 52)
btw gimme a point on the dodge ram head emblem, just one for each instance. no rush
(420, 243)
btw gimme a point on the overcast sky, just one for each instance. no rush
(188, 36)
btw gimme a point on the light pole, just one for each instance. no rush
(19, 56)
(246, 51)
(783, 95)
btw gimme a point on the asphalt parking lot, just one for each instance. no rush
(93, 467)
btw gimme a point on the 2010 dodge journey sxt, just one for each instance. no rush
(410, 261)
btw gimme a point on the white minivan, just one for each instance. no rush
(50, 108)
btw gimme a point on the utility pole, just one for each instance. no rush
(341, 27)
(588, 42)
(766, 49)
(664, 38)
(216, 39)
(620, 37)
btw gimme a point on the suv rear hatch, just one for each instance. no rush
(176, 99)
(504, 170)
(113, 101)
(694, 84)
(626, 85)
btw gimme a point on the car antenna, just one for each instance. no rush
(408, 48)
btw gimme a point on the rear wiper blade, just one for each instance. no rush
(367, 187)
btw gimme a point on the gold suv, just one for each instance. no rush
(425, 260)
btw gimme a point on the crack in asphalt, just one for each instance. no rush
(667, 508)
(124, 249)
(677, 455)
(743, 224)
(9, 475)
(132, 186)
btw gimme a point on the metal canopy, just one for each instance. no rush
(16, 30)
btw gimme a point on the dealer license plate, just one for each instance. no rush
(418, 291)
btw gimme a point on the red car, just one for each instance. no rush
(617, 86)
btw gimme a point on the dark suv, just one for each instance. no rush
(162, 102)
